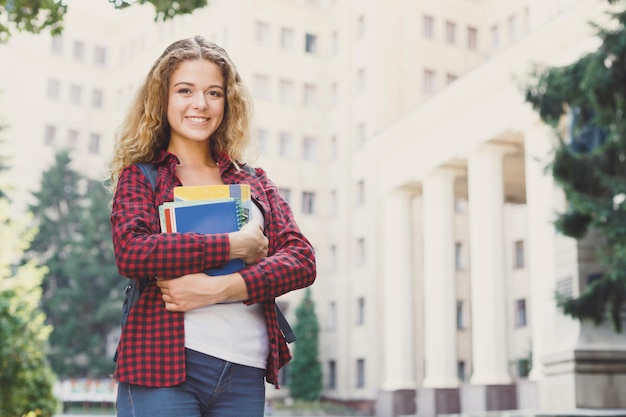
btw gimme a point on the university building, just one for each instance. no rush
(398, 132)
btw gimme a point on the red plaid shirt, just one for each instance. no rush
(152, 347)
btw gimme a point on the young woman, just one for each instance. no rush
(199, 345)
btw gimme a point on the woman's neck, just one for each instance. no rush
(193, 156)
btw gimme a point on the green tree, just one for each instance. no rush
(589, 162)
(82, 290)
(35, 16)
(26, 380)
(305, 371)
(95, 297)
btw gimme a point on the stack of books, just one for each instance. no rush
(208, 210)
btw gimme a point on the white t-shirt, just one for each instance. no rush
(234, 332)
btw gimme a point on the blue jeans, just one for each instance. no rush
(213, 388)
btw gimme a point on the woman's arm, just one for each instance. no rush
(290, 263)
(141, 250)
(195, 290)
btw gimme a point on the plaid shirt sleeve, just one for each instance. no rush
(290, 263)
(140, 249)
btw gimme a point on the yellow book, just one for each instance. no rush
(216, 192)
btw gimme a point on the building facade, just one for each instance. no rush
(398, 132)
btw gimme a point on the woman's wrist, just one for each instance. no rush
(237, 249)
(232, 287)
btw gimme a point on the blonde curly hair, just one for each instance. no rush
(145, 130)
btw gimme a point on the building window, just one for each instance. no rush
(460, 370)
(360, 80)
(495, 36)
(360, 311)
(262, 34)
(72, 138)
(523, 368)
(309, 148)
(333, 95)
(286, 39)
(360, 251)
(79, 50)
(263, 141)
(360, 135)
(262, 87)
(332, 316)
(285, 193)
(285, 144)
(310, 96)
(54, 89)
(450, 32)
(333, 148)
(428, 27)
(472, 38)
(450, 78)
(360, 27)
(333, 202)
(50, 135)
(96, 98)
(133, 47)
(360, 373)
(100, 56)
(512, 25)
(308, 202)
(57, 45)
(123, 56)
(520, 313)
(360, 193)
(334, 43)
(91, 188)
(429, 81)
(458, 256)
(310, 43)
(94, 144)
(287, 92)
(75, 94)
(519, 254)
(332, 374)
(333, 258)
(460, 315)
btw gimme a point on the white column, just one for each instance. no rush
(440, 345)
(486, 208)
(538, 144)
(397, 297)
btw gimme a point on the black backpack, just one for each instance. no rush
(136, 286)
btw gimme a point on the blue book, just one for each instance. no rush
(211, 217)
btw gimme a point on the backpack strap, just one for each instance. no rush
(250, 170)
(135, 287)
(150, 171)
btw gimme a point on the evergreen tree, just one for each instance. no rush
(26, 380)
(590, 162)
(82, 291)
(305, 371)
(94, 299)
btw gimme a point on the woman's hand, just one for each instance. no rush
(249, 243)
(192, 291)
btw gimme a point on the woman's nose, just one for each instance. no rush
(200, 101)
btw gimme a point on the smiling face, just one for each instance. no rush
(196, 100)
